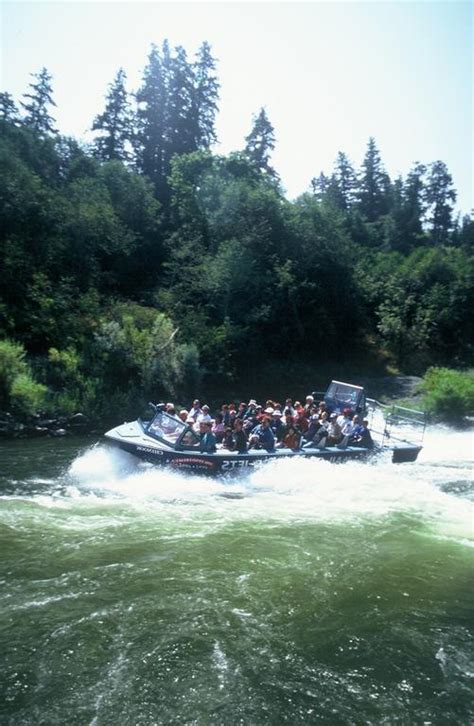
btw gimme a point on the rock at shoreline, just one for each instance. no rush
(38, 425)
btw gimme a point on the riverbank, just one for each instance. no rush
(38, 426)
(386, 388)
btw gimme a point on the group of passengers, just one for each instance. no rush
(273, 426)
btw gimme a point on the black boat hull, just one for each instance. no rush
(223, 462)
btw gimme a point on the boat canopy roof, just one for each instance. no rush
(341, 395)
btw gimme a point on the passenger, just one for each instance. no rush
(251, 421)
(204, 416)
(309, 403)
(344, 417)
(334, 431)
(232, 413)
(312, 430)
(323, 428)
(292, 438)
(264, 435)
(241, 410)
(251, 408)
(183, 415)
(228, 442)
(259, 412)
(363, 436)
(322, 408)
(225, 413)
(239, 439)
(277, 426)
(218, 428)
(301, 420)
(208, 440)
(289, 405)
(351, 427)
(170, 409)
(195, 409)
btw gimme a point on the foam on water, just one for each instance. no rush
(292, 489)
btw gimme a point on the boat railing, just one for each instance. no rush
(399, 422)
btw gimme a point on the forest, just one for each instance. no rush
(144, 266)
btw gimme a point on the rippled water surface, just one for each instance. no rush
(306, 592)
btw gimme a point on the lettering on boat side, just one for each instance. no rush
(150, 450)
(193, 463)
(236, 464)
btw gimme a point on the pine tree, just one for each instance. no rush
(413, 205)
(374, 185)
(346, 181)
(179, 131)
(152, 100)
(204, 98)
(8, 108)
(320, 186)
(36, 109)
(439, 197)
(260, 144)
(115, 123)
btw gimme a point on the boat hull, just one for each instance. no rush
(226, 461)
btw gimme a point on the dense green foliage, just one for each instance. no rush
(132, 267)
(449, 394)
(18, 390)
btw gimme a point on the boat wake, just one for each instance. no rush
(435, 491)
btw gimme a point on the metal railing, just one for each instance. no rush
(396, 420)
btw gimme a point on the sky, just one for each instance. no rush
(329, 74)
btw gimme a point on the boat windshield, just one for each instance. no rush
(344, 395)
(167, 428)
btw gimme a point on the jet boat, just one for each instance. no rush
(165, 440)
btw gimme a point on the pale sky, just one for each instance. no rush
(330, 74)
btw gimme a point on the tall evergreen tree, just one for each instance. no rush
(205, 98)
(40, 99)
(439, 196)
(177, 103)
(260, 143)
(374, 185)
(152, 100)
(466, 232)
(179, 131)
(8, 108)
(320, 186)
(346, 181)
(115, 123)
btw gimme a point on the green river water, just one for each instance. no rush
(306, 592)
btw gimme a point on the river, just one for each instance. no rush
(306, 592)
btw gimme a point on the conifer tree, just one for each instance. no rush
(179, 132)
(36, 108)
(8, 108)
(439, 196)
(204, 98)
(115, 123)
(320, 186)
(177, 103)
(260, 143)
(152, 100)
(413, 205)
(345, 182)
(374, 185)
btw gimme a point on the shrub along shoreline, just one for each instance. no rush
(66, 401)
